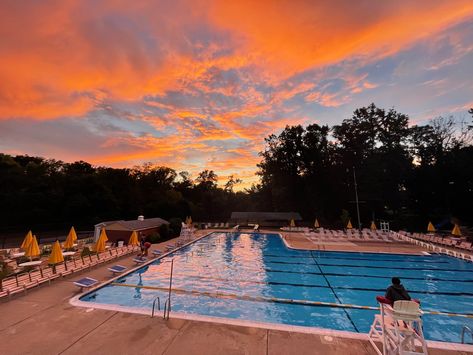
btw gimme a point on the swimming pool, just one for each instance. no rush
(245, 276)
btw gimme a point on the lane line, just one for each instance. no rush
(334, 293)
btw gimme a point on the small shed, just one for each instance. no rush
(265, 219)
(121, 230)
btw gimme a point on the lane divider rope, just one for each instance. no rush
(276, 300)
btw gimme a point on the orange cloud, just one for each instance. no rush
(60, 58)
(294, 36)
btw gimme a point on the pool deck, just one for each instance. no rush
(43, 322)
(300, 241)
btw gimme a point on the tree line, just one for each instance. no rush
(406, 174)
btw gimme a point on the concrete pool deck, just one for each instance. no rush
(43, 322)
(300, 241)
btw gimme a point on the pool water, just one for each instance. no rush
(238, 275)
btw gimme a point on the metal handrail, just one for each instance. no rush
(170, 288)
(154, 304)
(466, 329)
(167, 308)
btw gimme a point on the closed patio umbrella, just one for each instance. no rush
(100, 244)
(316, 224)
(33, 249)
(430, 228)
(456, 231)
(56, 256)
(189, 221)
(27, 240)
(133, 239)
(71, 239)
(373, 226)
(293, 224)
(349, 226)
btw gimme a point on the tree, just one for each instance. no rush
(230, 184)
(207, 179)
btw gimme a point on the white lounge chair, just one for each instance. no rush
(256, 228)
(85, 282)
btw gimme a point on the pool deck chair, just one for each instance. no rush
(256, 228)
(237, 227)
(117, 269)
(140, 260)
(156, 252)
(398, 328)
(86, 282)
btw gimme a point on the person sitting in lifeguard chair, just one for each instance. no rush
(397, 292)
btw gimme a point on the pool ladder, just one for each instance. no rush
(167, 307)
(167, 304)
(466, 329)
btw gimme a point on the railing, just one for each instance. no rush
(167, 308)
(154, 305)
(464, 330)
(167, 303)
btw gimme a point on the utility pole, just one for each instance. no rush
(356, 199)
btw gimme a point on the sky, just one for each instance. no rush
(197, 85)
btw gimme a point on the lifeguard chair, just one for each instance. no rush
(398, 328)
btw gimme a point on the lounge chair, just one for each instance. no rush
(117, 269)
(86, 282)
(237, 227)
(256, 228)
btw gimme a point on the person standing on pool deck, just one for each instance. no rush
(397, 292)
(142, 244)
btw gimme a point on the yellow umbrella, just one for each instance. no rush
(27, 240)
(316, 224)
(430, 227)
(33, 248)
(456, 231)
(133, 239)
(293, 224)
(349, 226)
(189, 221)
(373, 226)
(56, 256)
(100, 244)
(71, 238)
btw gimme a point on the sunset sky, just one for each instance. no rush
(196, 85)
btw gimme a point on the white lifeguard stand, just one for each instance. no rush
(398, 329)
(187, 232)
(384, 226)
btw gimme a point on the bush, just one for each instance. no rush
(175, 225)
(86, 251)
(153, 238)
(5, 270)
(46, 250)
(164, 232)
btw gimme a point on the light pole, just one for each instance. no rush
(356, 199)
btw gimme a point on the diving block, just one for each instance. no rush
(117, 269)
(140, 260)
(86, 282)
